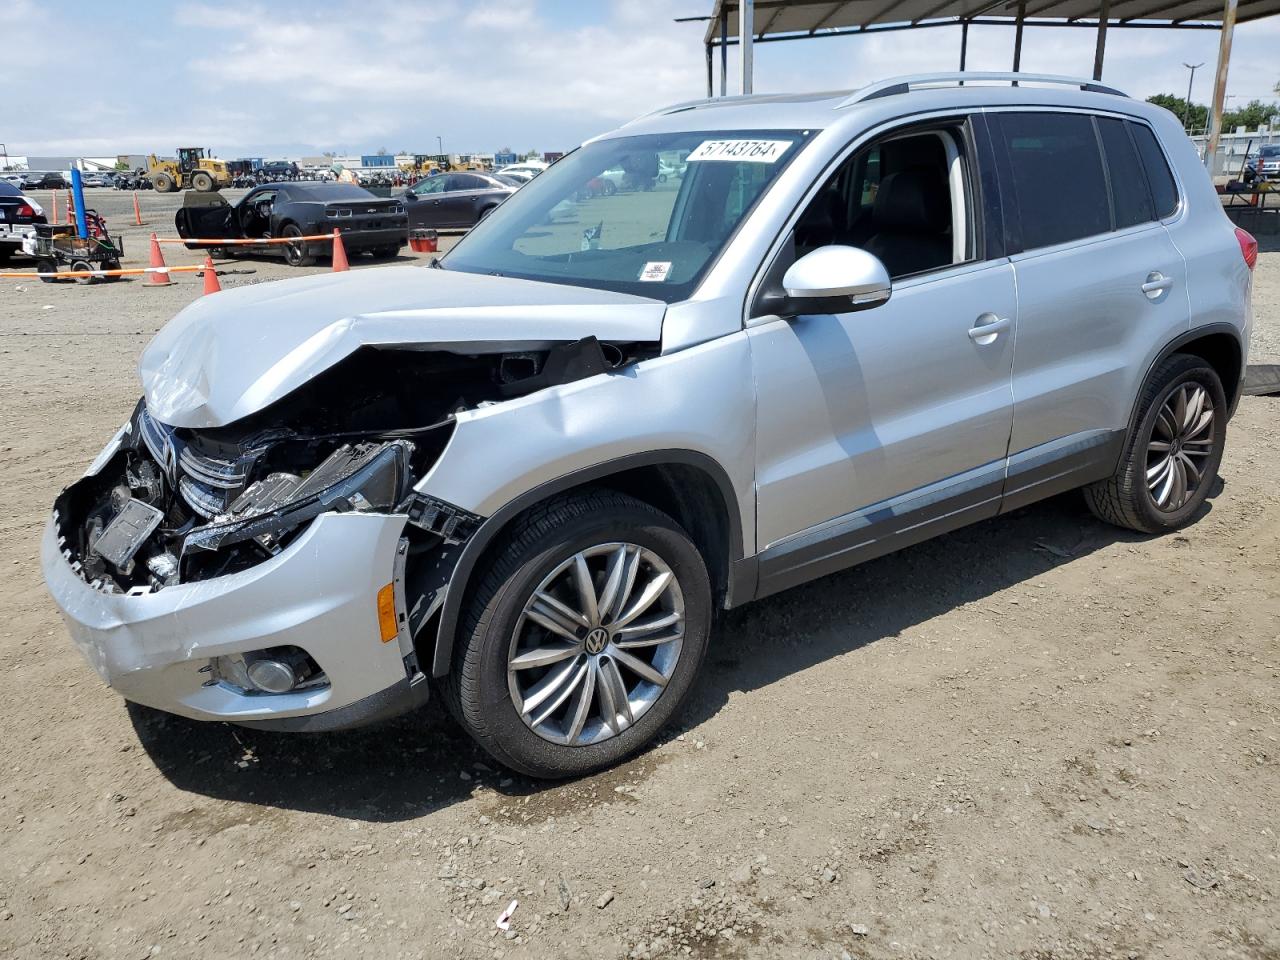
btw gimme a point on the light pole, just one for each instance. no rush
(440, 145)
(1186, 111)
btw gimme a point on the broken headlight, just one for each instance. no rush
(357, 476)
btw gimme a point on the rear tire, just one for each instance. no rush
(1171, 459)
(615, 698)
(78, 265)
(295, 254)
(48, 271)
(201, 181)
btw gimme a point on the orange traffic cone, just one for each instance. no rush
(160, 276)
(339, 252)
(137, 211)
(211, 284)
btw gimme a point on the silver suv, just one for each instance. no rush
(528, 475)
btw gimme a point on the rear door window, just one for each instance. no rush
(1129, 193)
(1059, 188)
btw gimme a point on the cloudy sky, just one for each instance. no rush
(273, 77)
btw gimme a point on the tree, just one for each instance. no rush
(1197, 118)
(382, 151)
(1252, 115)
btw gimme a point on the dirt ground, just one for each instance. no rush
(1040, 737)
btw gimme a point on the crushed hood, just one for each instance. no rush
(233, 353)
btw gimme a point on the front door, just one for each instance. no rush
(886, 426)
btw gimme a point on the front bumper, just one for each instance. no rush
(318, 594)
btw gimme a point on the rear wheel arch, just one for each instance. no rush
(1218, 344)
(690, 487)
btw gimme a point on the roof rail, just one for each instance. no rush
(897, 85)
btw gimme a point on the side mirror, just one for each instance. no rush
(838, 272)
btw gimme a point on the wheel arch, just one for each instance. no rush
(689, 486)
(1219, 345)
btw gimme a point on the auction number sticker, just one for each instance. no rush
(748, 151)
(655, 271)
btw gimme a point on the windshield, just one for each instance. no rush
(644, 215)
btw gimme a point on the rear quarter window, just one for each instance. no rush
(1129, 193)
(1164, 191)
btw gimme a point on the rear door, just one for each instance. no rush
(1101, 287)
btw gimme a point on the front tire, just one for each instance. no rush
(1171, 460)
(584, 638)
(164, 183)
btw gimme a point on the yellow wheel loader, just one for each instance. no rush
(192, 171)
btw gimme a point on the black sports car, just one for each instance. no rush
(369, 224)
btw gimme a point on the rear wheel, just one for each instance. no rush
(81, 265)
(385, 252)
(296, 253)
(48, 271)
(201, 181)
(585, 636)
(1172, 458)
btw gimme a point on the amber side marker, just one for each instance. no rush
(387, 625)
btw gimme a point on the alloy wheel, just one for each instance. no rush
(1180, 445)
(596, 644)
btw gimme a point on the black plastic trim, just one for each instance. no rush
(854, 540)
(399, 698)
(1092, 456)
(442, 656)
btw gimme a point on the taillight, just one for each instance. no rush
(26, 211)
(1248, 247)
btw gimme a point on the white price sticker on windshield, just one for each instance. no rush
(655, 271)
(742, 151)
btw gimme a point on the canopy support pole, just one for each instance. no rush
(711, 87)
(1220, 83)
(964, 43)
(1017, 36)
(724, 53)
(1099, 51)
(746, 24)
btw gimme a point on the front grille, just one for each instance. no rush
(203, 499)
(212, 471)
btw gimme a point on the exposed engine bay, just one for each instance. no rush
(176, 505)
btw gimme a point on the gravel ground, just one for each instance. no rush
(1039, 737)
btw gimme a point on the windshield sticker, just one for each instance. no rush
(655, 271)
(748, 151)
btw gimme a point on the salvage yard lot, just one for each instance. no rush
(1039, 737)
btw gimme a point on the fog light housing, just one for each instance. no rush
(268, 672)
(272, 676)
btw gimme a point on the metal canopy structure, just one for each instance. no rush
(746, 22)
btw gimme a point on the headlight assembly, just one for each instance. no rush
(360, 476)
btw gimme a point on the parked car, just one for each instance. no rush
(19, 215)
(451, 200)
(278, 170)
(369, 224)
(44, 181)
(14, 179)
(525, 168)
(528, 476)
(97, 180)
(1265, 164)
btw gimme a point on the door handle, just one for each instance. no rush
(1157, 283)
(987, 327)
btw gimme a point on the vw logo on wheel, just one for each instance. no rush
(597, 639)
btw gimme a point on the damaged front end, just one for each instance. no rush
(172, 505)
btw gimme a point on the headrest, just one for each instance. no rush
(911, 201)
